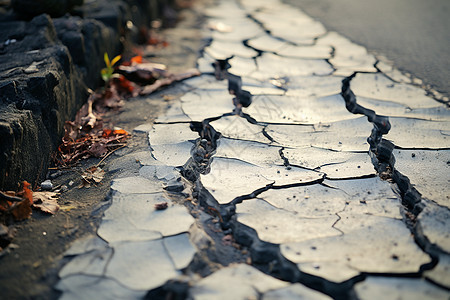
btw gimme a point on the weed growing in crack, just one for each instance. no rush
(108, 72)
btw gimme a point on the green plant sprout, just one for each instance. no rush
(107, 72)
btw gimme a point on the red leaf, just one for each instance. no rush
(137, 59)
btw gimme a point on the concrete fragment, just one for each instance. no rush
(91, 263)
(293, 292)
(428, 171)
(225, 185)
(427, 134)
(226, 49)
(333, 164)
(378, 86)
(201, 105)
(348, 57)
(271, 65)
(172, 154)
(235, 127)
(354, 251)
(298, 110)
(93, 287)
(348, 135)
(133, 217)
(150, 261)
(179, 133)
(279, 226)
(246, 282)
(398, 288)
(434, 223)
(180, 250)
(440, 273)
(251, 152)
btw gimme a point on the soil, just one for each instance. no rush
(29, 267)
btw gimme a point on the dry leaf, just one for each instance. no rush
(92, 175)
(22, 210)
(46, 202)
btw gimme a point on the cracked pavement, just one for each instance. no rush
(331, 182)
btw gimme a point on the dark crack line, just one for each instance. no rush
(421, 149)
(381, 152)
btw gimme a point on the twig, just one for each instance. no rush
(109, 154)
(10, 198)
(169, 80)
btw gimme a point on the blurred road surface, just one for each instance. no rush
(414, 34)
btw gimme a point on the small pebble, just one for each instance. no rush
(47, 185)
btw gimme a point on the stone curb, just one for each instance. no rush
(46, 66)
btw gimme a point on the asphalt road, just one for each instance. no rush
(414, 34)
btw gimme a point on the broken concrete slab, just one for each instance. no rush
(90, 287)
(251, 152)
(279, 20)
(395, 109)
(172, 154)
(404, 288)
(180, 249)
(174, 114)
(179, 133)
(152, 265)
(428, 171)
(134, 217)
(337, 165)
(427, 134)
(278, 226)
(247, 283)
(235, 127)
(226, 49)
(241, 30)
(312, 52)
(313, 86)
(378, 86)
(295, 291)
(242, 66)
(201, 105)
(86, 244)
(271, 65)
(348, 135)
(439, 274)
(92, 263)
(433, 224)
(225, 185)
(348, 57)
(286, 109)
(396, 253)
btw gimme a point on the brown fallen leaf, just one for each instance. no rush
(92, 175)
(46, 202)
(98, 149)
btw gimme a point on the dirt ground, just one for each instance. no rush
(29, 267)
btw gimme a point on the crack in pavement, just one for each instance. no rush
(281, 186)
